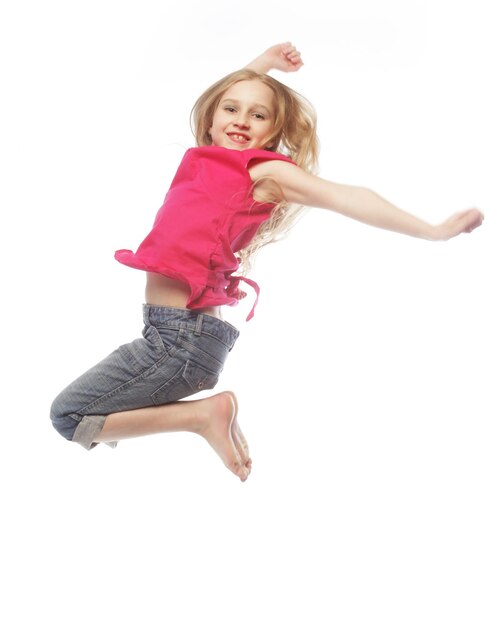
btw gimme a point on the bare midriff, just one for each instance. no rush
(163, 291)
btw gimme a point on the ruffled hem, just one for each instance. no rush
(201, 295)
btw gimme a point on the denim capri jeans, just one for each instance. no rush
(181, 352)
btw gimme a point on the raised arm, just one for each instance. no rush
(360, 203)
(283, 56)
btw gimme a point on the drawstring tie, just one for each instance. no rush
(234, 291)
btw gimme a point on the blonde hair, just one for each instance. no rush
(293, 134)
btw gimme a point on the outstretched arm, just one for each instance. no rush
(283, 56)
(360, 203)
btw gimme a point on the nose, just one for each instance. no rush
(241, 121)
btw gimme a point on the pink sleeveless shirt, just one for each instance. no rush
(208, 214)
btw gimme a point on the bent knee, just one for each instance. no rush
(63, 421)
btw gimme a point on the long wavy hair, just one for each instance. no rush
(293, 134)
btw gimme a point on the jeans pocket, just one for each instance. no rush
(166, 336)
(143, 353)
(190, 378)
(198, 378)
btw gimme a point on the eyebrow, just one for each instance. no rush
(255, 105)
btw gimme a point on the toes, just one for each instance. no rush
(241, 446)
(238, 437)
(237, 460)
(239, 469)
(243, 473)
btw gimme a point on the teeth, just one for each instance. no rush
(238, 138)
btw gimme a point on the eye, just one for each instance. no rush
(230, 109)
(259, 116)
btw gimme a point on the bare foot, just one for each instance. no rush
(217, 430)
(238, 437)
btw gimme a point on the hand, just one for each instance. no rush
(463, 222)
(283, 56)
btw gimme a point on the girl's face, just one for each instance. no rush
(244, 116)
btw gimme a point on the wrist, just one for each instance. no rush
(433, 233)
(260, 65)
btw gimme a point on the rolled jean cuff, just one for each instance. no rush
(88, 428)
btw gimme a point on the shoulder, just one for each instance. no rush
(277, 167)
(254, 156)
(258, 163)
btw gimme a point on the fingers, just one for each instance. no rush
(284, 57)
(469, 220)
(292, 56)
(475, 219)
(463, 222)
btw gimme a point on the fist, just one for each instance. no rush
(464, 222)
(285, 57)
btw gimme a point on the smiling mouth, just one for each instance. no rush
(238, 137)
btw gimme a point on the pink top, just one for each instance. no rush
(208, 214)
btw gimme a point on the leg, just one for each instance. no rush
(137, 390)
(213, 418)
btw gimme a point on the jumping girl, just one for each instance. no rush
(251, 173)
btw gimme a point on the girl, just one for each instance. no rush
(244, 184)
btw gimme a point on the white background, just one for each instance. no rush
(362, 379)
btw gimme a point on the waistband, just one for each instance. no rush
(199, 323)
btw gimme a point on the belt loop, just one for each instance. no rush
(198, 325)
